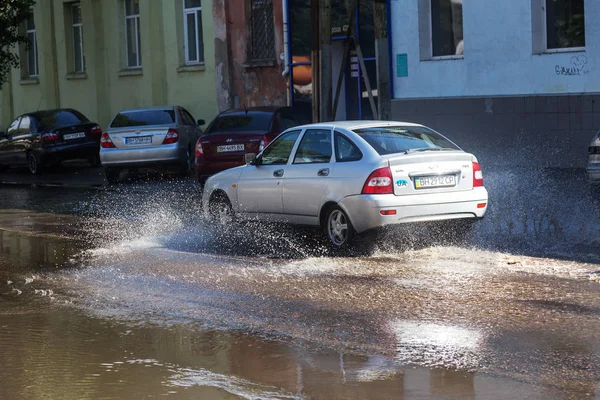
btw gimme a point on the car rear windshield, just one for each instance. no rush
(55, 119)
(232, 123)
(399, 139)
(143, 118)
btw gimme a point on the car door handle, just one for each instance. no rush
(323, 172)
(278, 173)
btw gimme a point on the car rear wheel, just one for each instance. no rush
(94, 160)
(112, 174)
(338, 228)
(220, 210)
(188, 165)
(34, 163)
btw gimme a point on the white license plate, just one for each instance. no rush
(230, 147)
(71, 136)
(139, 140)
(425, 182)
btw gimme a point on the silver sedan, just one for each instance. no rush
(351, 177)
(152, 137)
(593, 167)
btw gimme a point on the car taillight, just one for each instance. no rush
(172, 136)
(199, 151)
(96, 130)
(49, 137)
(264, 142)
(379, 182)
(477, 175)
(106, 142)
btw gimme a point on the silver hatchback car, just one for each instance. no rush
(152, 137)
(351, 177)
(593, 167)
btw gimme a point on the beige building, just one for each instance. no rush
(100, 56)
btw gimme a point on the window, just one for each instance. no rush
(315, 147)
(192, 22)
(446, 28)
(25, 126)
(56, 119)
(400, 139)
(241, 123)
(278, 152)
(345, 149)
(77, 31)
(132, 33)
(32, 54)
(262, 30)
(565, 24)
(143, 118)
(13, 128)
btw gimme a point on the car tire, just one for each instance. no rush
(220, 210)
(34, 163)
(338, 230)
(94, 160)
(188, 164)
(112, 174)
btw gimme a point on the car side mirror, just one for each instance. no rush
(201, 122)
(250, 159)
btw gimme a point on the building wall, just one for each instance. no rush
(504, 101)
(500, 55)
(242, 82)
(108, 86)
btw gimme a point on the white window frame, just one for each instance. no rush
(77, 26)
(432, 57)
(34, 49)
(545, 35)
(136, 18)
(186, 12)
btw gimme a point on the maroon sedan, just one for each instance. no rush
(234, 133)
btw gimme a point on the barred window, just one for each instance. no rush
(263, 30)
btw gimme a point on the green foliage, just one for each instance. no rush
(12, 14)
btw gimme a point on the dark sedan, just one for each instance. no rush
(43, 138)
(234, 133)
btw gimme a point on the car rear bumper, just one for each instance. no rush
(593, 172)
(142, 158)
(70, 151)
(364, 211)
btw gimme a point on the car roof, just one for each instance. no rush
(40, 112)
(265, 109)
(154, 108)
(351, 125)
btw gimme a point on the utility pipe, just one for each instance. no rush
(286, 50)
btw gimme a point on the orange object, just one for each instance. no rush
(302, 73)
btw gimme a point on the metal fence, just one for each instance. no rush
(263, 30)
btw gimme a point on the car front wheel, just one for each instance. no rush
(220, 210)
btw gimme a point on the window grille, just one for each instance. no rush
(263, 30)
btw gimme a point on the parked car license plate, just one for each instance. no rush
(230, 147)
(425, 182)
(70, 136)
(139, 140)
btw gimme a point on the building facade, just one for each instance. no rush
(249, 53)
(516, 81)
(102, 56)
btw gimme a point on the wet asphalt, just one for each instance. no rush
(511, 312)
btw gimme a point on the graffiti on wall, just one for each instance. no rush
(578, 67)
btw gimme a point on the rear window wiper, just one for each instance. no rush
(408, 151)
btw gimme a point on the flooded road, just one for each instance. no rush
(125, 293)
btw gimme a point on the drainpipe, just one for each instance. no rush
(286, 50)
